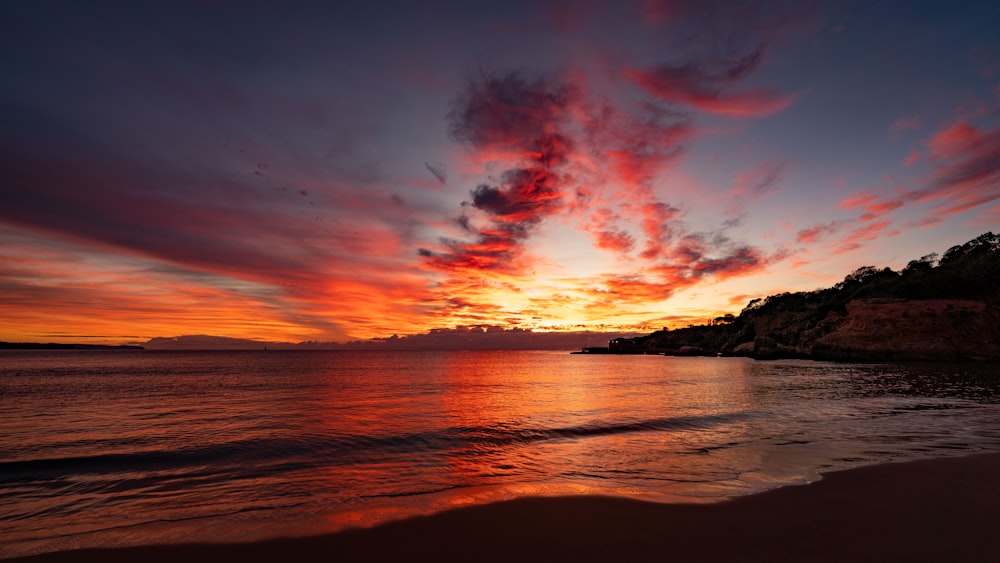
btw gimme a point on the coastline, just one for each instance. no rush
(924, 510)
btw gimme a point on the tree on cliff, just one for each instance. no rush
(969, 271)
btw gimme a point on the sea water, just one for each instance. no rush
(124, 448)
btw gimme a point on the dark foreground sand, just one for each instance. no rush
(933, 510)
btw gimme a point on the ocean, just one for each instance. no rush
(114, 448)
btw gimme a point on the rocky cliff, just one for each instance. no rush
(947, 310)
(931, 329)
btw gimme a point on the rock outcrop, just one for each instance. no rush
(947, 310)
(932, 329)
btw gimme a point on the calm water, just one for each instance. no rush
(119, 448)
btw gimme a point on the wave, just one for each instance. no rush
(291, 453)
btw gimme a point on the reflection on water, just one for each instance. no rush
(103, 448)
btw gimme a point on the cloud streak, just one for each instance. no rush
(706, 86)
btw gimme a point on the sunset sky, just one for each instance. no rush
(350, 170)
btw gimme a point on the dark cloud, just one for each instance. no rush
(522, 119)
(509, 110)
(699, 255)
(524, 198)
(438, 170)
(738, 260)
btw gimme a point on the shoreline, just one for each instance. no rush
(923, 510)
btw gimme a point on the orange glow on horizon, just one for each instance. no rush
(593, 177)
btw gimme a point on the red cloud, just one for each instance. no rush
(603, 225)
(968, 168)
(817, 233)
(855, 238)
(966, 174)
(656, 223)
(874, 204)
(634, 148)
(616, 241)
(955, 140)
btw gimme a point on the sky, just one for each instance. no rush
(334, 171)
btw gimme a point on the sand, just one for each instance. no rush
(931, 510)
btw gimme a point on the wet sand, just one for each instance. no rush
(930, 510)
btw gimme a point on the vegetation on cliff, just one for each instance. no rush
(936, 308)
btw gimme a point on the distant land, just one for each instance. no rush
(61, 346)
(934, 309)
(461, 338)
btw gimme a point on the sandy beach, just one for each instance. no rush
(928, 510)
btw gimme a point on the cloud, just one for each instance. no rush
(488, 337)
(903, 125)
(967, 170)
(817, 233)
(874, 204)
(553, 147)
(511, 111)
(47, 285)
(658, 223)
(965, 177)
(439, 171)
(852, 234)
(635, 146)
(607, 235)
(694, 260)
(758, 180)
(966, 173)
(703, 85)
(704, 255)
(520, 118)
(754, 183)
(955, 140)
(741, 260)
(258, 180)
(215, 220)
(856, 238)
(989, 217)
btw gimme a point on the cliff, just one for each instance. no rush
(931, 329)
(947, 310)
